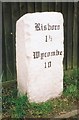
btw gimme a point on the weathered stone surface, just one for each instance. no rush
(39, 55)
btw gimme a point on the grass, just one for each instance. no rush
(19, 107)
(71, 84)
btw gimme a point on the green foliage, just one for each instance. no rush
(41, 109)
(8, 95)
(71, 84)
(71, 91)
(20, 107)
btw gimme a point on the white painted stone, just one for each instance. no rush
(41, 78)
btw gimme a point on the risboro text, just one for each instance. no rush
(41, 27)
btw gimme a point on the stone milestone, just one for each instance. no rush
(39, 55)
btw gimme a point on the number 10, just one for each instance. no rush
(48, 64)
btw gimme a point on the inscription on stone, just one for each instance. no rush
(39, 55)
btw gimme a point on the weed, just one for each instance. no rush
(42, 108)
(20, 107)
(71, 84)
